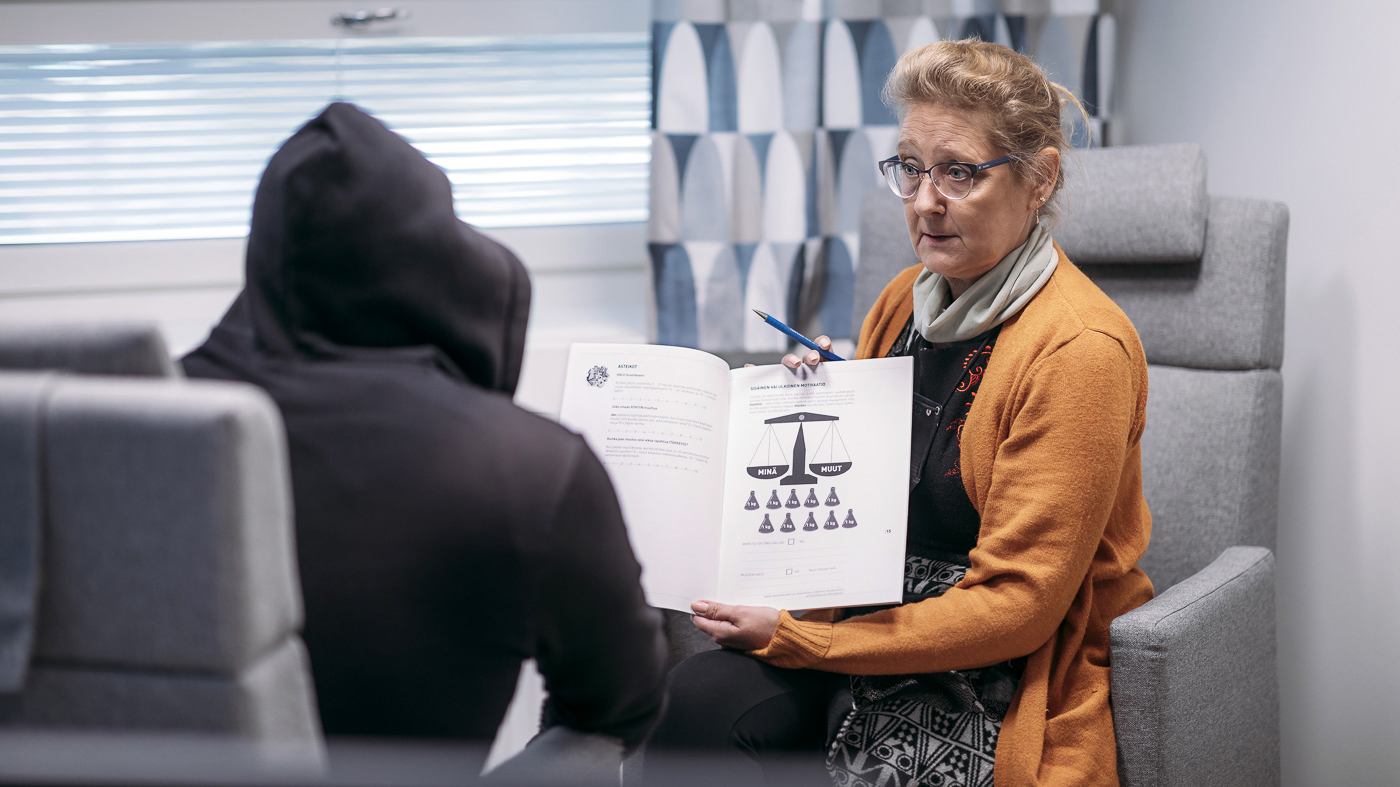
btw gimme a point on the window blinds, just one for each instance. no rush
(153, 142)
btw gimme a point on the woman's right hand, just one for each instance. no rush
(811, 357)
(736, 626)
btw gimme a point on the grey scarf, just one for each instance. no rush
(991, 300)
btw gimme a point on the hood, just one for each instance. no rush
(355, 253)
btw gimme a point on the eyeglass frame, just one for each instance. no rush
(885, 164)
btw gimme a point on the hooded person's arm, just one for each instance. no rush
(599, 646)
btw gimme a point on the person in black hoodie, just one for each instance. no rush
(444, 534)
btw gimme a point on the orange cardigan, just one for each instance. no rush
(1051, 461)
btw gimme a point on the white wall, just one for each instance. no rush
(590, 283)
(1297, 101)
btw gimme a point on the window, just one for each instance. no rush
(591, 279)
(115, 142)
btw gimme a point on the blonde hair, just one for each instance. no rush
(1022, 105)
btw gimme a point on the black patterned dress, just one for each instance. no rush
(935, 729)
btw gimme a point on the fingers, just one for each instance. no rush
(708, 609)
(810, 357)
(707, 619)
(715, 630)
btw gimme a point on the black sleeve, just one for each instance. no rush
(599, 646)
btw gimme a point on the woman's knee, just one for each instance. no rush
(724, 698)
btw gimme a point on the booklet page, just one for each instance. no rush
(816, 495)
(656, 417)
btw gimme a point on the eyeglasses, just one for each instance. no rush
(953, 179)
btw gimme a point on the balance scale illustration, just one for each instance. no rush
(769, 461)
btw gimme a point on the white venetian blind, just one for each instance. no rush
(154, 142)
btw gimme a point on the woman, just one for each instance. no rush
(1026, 514)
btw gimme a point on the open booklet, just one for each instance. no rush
(761, 485)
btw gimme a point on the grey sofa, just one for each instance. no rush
(147, 566)
(1194, 680)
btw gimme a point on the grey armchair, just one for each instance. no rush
(147, 567)
(1194, 681)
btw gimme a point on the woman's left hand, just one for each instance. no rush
(811, 357)
(734, 626)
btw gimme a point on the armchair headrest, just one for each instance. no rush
(1204, 303)
(1138, 203)
(102, 348)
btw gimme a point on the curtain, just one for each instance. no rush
(766, 126)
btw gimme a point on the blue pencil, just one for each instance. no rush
(776, 323)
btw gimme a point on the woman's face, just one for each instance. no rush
(963, 239)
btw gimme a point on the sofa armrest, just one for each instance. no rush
(1195, 680)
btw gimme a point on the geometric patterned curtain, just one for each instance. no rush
(766, 126)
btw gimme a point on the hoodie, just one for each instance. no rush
(444, 535)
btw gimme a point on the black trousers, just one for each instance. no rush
(732, 719)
